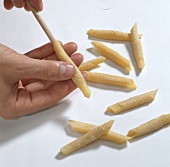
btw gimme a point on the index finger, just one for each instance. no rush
(48, 50)
(38, 4)
(8, 4)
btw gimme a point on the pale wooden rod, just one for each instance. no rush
(41, 22)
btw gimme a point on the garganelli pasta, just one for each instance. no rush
(132, 102)
(112, 55)
(110, 79)
(87, 138)
(82, 127)
(137, 47)
(91, 64)
(110, 34)
(150, 126)
(78, 78)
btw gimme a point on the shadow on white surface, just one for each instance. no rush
(106, 8)
(92, 146)
(10, 129)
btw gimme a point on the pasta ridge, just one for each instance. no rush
(132, 102)
(150, 126)
(89, 137)
(110, 79)
(136, 100)
(110, 35)
(137, 47)
(86, 66)
(77, 78)
(112, 55)
(82, 127)
(91, 64)
(165, 119)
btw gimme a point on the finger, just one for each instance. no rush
(38, 5)
(23, 3)
(41, 52)
(28, 81)
(70, 48)
(18, 3)
(48, 50)
(34, 102)
(26, 8)
(27, 68)
(77, 59)
(8, 4)
(41, 85)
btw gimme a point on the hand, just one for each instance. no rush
(37, 4)
(29, 83)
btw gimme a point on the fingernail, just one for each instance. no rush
(66, 70)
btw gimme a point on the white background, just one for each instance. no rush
(34, 141)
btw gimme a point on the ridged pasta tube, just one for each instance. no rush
(132, 102)
(110, 79)
(112, 55)
(88, 138)
(137, 47)
(110, 34)
(150, 126)
(78, 78)
(91, 64)
(82, 127)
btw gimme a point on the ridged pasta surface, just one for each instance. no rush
(110, 34)
(132, 102)
(89, 137)
(91, 64)
(110, 79)
(150, 126)
(137, 47)
(112, 55)
(78, 78)
(82, 127)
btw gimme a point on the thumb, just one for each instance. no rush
(45, 70)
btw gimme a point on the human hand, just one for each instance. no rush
(35, 81)
(9, 4)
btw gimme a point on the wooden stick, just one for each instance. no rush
(78, 78)
(41, 22)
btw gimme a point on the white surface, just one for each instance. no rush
(34, 141)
